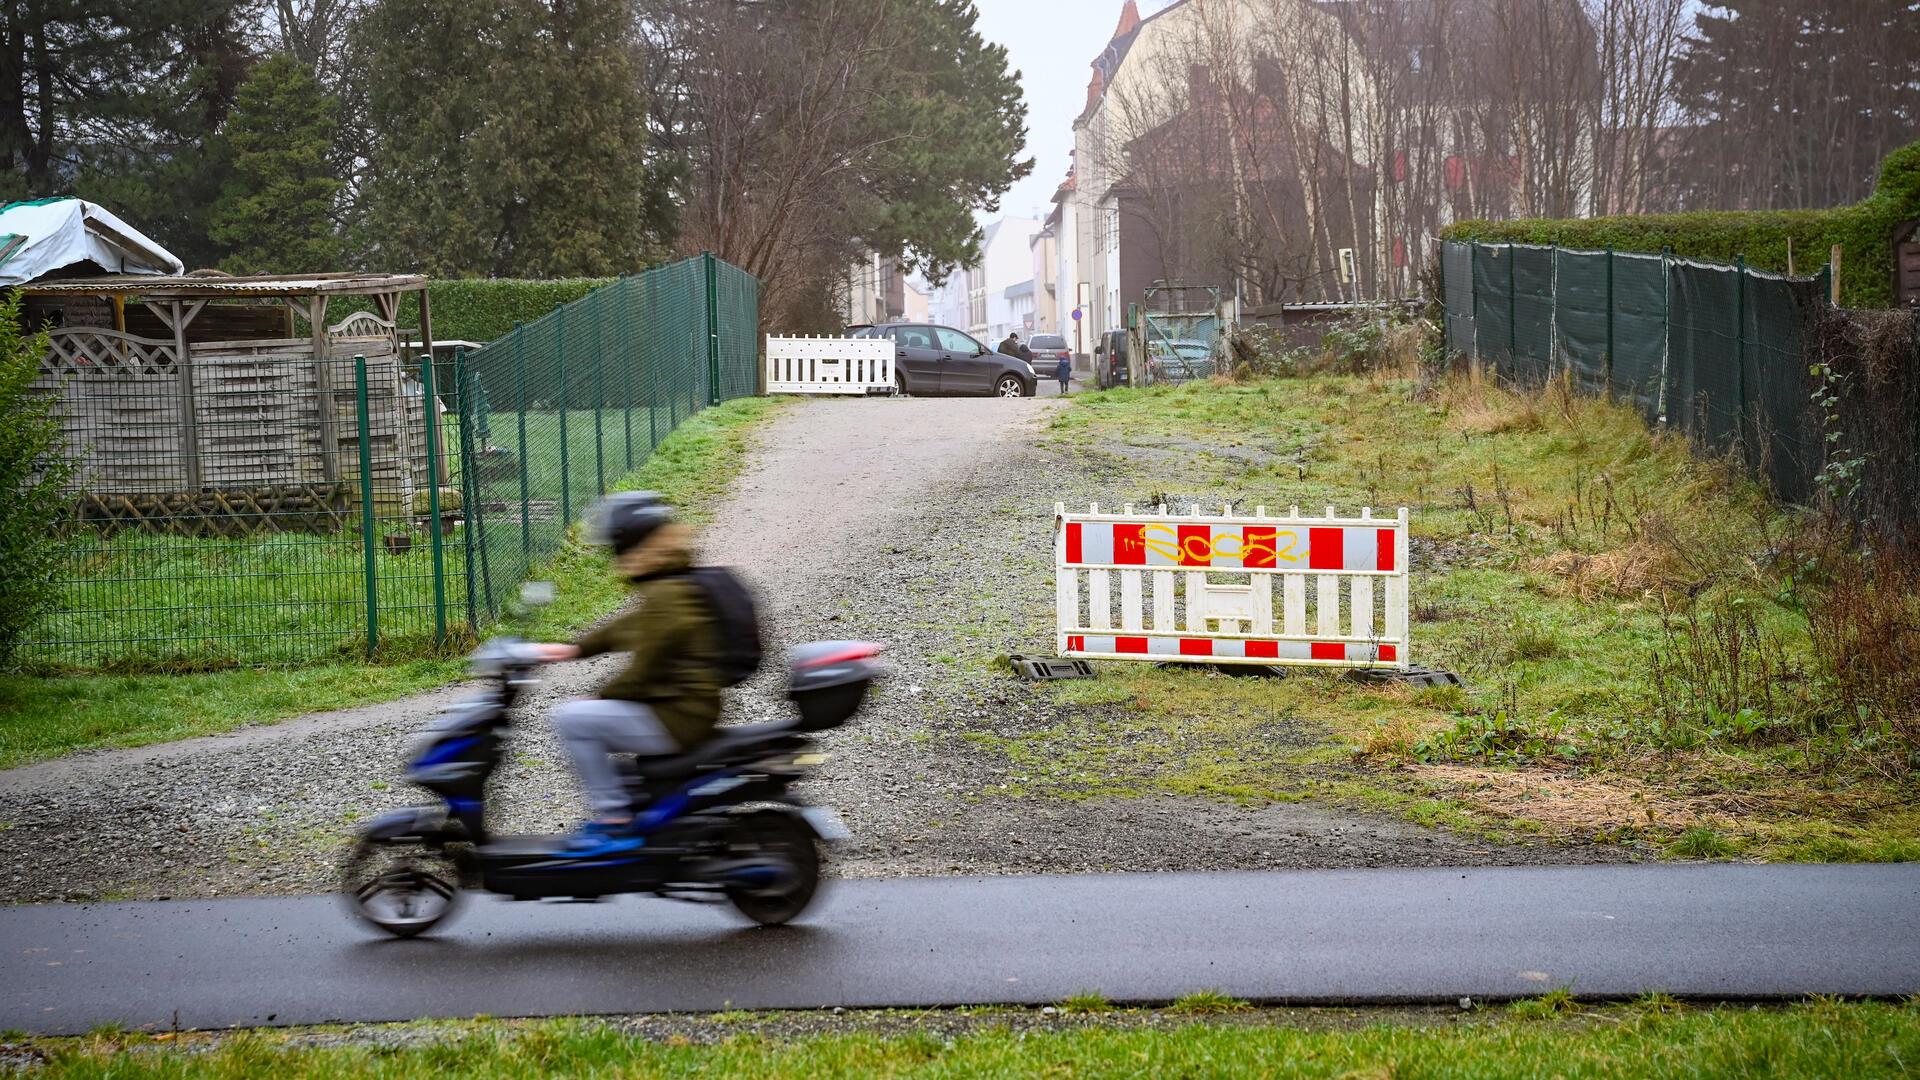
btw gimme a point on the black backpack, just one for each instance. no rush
(738, 629)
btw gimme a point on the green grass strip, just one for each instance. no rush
(1818, 1039)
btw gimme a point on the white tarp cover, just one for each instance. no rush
(61, 232)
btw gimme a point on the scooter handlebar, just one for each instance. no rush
(504, 655)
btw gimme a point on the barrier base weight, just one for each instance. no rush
(1411, 676)
(1035, 668)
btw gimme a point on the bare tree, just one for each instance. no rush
(812, 131)
(1639, 41)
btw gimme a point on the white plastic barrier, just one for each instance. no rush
(829, 365)
(1174, 606)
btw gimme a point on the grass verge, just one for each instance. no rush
(1822, 1038)
(1632, 620)
(45, 717)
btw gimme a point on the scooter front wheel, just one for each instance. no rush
(774, 866)
(404, 888)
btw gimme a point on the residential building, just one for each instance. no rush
(918, 301)
(1006, 260)
(876, 290)
(1065, 223)
(1309, 150)
(947, 301)
(1045, 246)
(1021, 308)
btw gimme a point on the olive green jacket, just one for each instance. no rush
(672, 638)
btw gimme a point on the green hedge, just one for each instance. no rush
(480, 309)
(483, 309)
(1864, 232)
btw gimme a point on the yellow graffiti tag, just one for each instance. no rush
(1165, 540)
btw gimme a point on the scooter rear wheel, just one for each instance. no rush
(405, 888)
(784, 841)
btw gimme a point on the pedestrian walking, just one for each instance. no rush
(1064, 372)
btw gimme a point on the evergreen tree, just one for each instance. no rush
(813, 130)
(1794, 105)
(34, 470)
(276, 214)
(507, 137)
(120, 102)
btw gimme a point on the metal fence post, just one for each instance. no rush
(626, 368)
(1609, 375)
(471, 435)
(520, 376)
(371, 570)
(599, 398)
(1666, 330)
(560, 366)
(1473, 300)
(469, 479)
(1740, 336)
(713, 327)
(1513, 312)
(432, 402)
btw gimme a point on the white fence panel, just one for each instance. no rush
(1218, 606)
(829, 365)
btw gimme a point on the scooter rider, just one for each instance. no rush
(667, 700)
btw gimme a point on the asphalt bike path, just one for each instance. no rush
(1310, 936)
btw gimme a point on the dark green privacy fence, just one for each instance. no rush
(452, 482)
(1716, 351)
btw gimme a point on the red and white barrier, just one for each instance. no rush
(1200, 589)
(829, 365)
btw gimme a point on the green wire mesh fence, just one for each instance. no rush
(1710, 349)
(456, 480)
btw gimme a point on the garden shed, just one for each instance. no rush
(213, 405)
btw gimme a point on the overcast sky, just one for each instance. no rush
(1050, 42)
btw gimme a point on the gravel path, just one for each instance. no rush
(923, 523)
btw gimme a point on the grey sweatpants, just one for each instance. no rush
(592, 728)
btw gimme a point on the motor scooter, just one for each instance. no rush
(716, 825)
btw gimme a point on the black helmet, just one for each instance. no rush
(624, 520)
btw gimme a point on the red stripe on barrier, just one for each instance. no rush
(1389, 652)
(1259, 548)
(1073, 541)
(1130, 545)
(1383, 541)
(1130, 645)
(1196, 545)
(1263, 650)
(1326, 549)
(1076, 644)
(1196, 647)
(1328, 650)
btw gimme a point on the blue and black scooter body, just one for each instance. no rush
(724, 824)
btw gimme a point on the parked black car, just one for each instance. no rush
(929, 360)
(1110, 361)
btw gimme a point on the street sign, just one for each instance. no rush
(1076, 314)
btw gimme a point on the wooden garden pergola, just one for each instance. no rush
(186, 389)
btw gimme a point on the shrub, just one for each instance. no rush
(1386, 339)
(1863, 614)
(33, 475)
(1262, 351)
(1863, 231)
(1718, 674)
(1864, 370)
